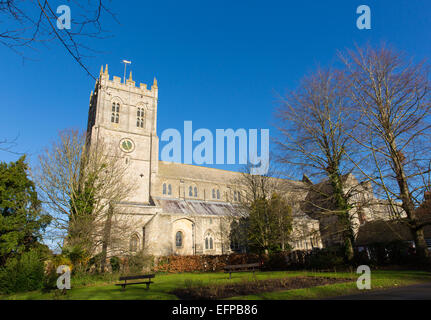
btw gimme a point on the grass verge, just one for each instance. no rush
(99, 289)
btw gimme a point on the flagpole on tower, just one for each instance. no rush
(125, 66)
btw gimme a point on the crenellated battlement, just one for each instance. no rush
(129, 86)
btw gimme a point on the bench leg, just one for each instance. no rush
(148, 285)
(123, 287)
(230, 275)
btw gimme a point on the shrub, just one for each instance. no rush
(50, 278)
(396, 252)
(322, 262)
(139, 262)
(202, 263)
(115, 264)
(94, 264)
(25, 273)
(276, 261)
(60, 260)
(325, 259)
(77, 256)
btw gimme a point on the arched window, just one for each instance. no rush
(235, 198)
(164, 188)
(239, 196)
(214, 195)
(115, 116)
(234, 245)
(316, 241)
(218, 194)
(209, 242)
(196, 192)
(113, 113)
(169, 189)
(179, 239)
(134, 243)
(190, 191)
(313, 244)
(140, 114)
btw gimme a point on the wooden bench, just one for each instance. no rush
(145, 276)
(242, 268)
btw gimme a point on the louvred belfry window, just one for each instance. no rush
(140, 115)
(115, 115)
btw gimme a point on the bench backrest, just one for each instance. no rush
(145, 276)
(243, 266)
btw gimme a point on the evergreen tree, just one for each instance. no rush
(269, 224)
(21, 218)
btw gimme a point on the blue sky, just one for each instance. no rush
(220, 64)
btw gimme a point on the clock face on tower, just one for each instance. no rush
(127, 145)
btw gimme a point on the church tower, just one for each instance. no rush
(125, 116)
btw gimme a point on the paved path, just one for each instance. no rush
(413, 292)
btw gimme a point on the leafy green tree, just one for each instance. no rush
(269, 224)
(21, 219)
(265, 212)
(82, 201)
(22, 273)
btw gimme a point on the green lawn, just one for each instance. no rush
(164, 283)
(379, 280)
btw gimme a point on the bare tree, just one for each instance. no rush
(315, 120)
(83, 187)
(31, 23)
(8, 145)
(393, 101)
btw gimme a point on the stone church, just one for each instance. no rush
(177, 208)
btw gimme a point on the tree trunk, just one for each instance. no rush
(342, 206)
(420, 243)
(106, 239)
(407, 203)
